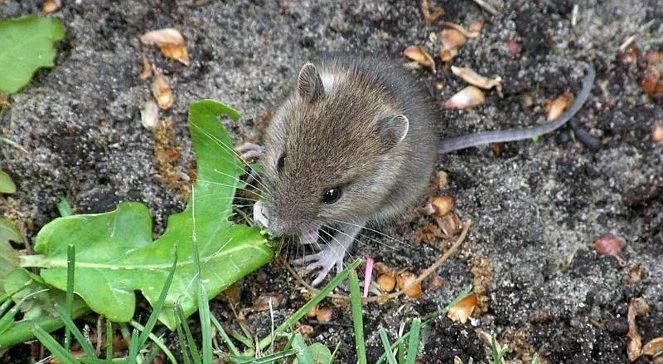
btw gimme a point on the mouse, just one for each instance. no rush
(356, 143)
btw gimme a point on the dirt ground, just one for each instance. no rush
(536, 207)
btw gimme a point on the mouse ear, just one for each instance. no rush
(309, 83)
(393, 130)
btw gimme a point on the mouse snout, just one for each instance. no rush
(278, 222)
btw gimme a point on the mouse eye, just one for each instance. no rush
(332, 195)
(279, 163)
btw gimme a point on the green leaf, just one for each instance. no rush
(8, 256)
(6, 183)
(320, 353)
(115, 254)
(26, 44)
(38, 307)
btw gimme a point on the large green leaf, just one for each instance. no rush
(115, 254)
(26, 44)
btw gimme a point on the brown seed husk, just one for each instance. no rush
(171, 43)
(404, 279)
(462, 310)
(419, 55)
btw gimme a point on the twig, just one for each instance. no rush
(438, 263)
(489, 8)
(13, 144)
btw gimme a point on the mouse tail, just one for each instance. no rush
(511, 135)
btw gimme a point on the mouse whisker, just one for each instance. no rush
(372, 230)
(261, 190)
(367, 237)
(232, 151)
(334, 240)
(228, 185)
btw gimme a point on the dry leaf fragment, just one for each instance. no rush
(470, 76)
(443, 204)
(634, 274)
(608, 244)
(171, 43)
(442, 179)
(149, 115)
(451, 40)
(430, 12)
(652, 80)
(263, 301)
(403, 280)
(657, 132)
(636, 307)
(653, 348)
(324, 315)
(50, 6)
(466, 98)
(419, 55)
(147, 69)
(161, 91)
(475, 28)
(462, 310)
(556, 107)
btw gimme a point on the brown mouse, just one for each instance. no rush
(356, 143)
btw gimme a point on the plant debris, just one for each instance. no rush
(467, 98)
(463, 309)
(653, 348)
(656, 132)
(636, 307)
(556, 107)
(147, 69)
(171, 43)
(470, 76)
(452, 40)
(149, 115)
(50, 6)
(442, 205)
(408, 279)
(161, 90)
(430, 12)
(652, 79)
(608, 244)
(482, 274)
(420, 56)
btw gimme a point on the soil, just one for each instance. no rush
(537, 206)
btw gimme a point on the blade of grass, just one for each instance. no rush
(53, 346)
(303, 354)
(191, 344)
(391, 359)
(413, 345)
(333, 356)
(203, 304)
(134, 346)
(157, 341)
(243, 339)
(401, 350)
(71, 326)
(290, 321)
(231, 346)
(64, 208)
(185, 351)
(109, 339)
(158, 306)
(357, 321)
(69, 295)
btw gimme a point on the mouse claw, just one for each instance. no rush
(249, 151)
(329, 257)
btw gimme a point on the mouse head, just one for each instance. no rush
(332, 151)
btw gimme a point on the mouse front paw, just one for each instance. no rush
(329, 257)
(249, 151)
